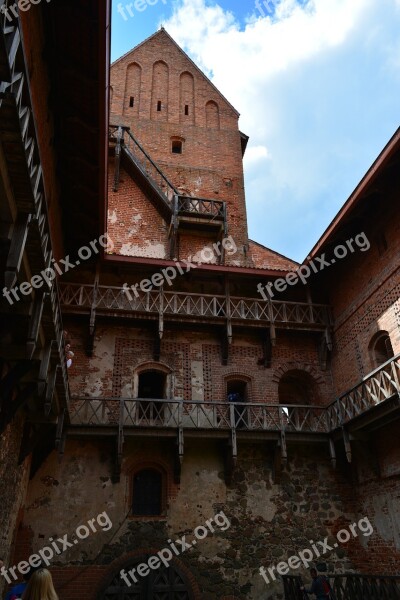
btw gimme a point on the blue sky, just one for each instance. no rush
(317, 84)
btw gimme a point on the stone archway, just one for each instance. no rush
(160, 584)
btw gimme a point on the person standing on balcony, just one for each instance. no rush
(320, 586)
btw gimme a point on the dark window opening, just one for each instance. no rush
(237, 392)
(186, 109)
(159, 106)
(147, 493)
(131, 101)
(152, 385)
(177, 147)
(382, 350)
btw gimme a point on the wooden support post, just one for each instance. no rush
(347, 444)
(282, 417)
(180, 447)
(272, 330)
(34, 323)
(119, 450)
(277, 464)
(92, 321)
(44, 368)
(17, 247)
(50, 391)
(120, 136)
(332, 452)
(173, 228)
(161, 314)
(228, 311)
(60, 427)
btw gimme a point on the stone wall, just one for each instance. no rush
(13, 486)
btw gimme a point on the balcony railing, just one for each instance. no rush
(144, 413)
(196, 306)
(200, 207)
(375, 388)
(381, 385)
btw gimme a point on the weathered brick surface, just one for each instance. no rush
(211, 163)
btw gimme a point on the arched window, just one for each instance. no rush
(380, 349)
(212, 115)
(148, 493)
(152, 386)
(297, 388)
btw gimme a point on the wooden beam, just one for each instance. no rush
(17, 247)
(34, 323)
(120, 137)
(44, 368)
(51, 383)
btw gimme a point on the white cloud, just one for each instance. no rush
(314, 84)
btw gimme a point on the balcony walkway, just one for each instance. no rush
(370, 404)
(107, 300)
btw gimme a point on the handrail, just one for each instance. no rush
(143, 151)
(246, 415)
(195, 305)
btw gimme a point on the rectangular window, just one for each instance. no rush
(131, 101)
(159, 106)
(186, 109)
(176, 147)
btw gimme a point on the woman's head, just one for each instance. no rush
(40, 586)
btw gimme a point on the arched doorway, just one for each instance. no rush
(237, 392)
(160, 584)
(152, 384)
(297, 390)
(380, 348)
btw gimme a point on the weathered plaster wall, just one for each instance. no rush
(13, 485)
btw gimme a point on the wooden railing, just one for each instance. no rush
(215, 209)
(351, 586)
(382, 385)
(108, 298)
(198, 415)
(375, 388)
(179, 204)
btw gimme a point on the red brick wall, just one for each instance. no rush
(364, 291)
(119, 350)
(211, 163)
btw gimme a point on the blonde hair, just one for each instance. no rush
(40, 586)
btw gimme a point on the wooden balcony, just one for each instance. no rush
(180, 306)
(33, 343)
(368, 405)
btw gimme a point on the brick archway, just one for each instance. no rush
(296, 366)
(176, 581)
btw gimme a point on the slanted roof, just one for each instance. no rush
(161, 32)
